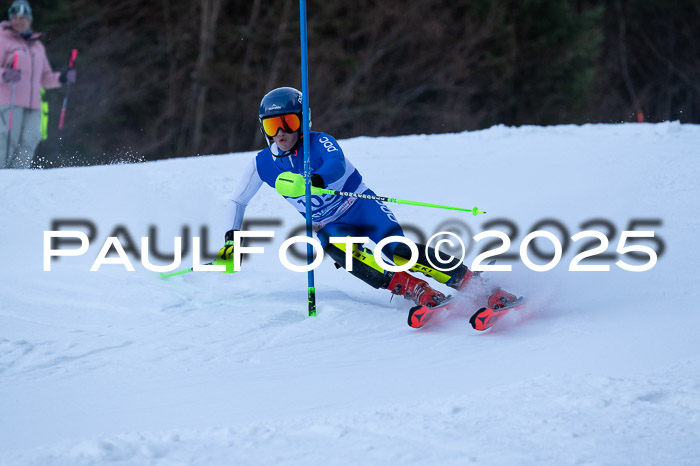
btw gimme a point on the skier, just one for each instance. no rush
(23, 83)
(281, 117)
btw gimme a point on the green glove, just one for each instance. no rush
(226, 252)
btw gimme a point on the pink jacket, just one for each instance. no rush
(31, 59)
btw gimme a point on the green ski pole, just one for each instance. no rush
(228, 264)
(179, 272)
(292, 185)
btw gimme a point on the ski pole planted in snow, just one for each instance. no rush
(73, 56)
(8, 157)
(292, 185)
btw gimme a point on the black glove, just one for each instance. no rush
(317, 181)
(12, 75)
(68, 76)
(229, 235)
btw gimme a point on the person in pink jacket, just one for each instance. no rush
(23, 83)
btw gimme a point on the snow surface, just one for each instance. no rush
(208, 368)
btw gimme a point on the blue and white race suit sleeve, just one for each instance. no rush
(247, 188)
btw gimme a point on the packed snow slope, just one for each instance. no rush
(121, 367)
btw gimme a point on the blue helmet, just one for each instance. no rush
(282, 101)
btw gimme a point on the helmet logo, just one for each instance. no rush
(275, 107)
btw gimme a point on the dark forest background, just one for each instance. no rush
(172, 78)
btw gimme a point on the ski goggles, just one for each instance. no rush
(20, 9)
(289, 123)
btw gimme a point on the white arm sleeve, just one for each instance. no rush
(249, 185)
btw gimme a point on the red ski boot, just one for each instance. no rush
(419, 291)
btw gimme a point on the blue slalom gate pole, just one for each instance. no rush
(307, 153)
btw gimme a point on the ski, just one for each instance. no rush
(419, 315)
(482, 319)
(486, 317)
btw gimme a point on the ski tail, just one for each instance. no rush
(419, 315)
(486, 317)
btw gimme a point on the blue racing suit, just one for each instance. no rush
(331, 215)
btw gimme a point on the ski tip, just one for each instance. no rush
(485, 318)
(478, 324)
(416, 316)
